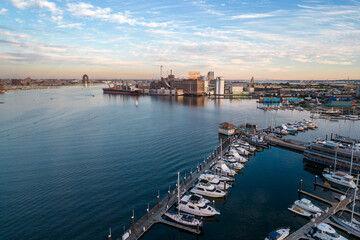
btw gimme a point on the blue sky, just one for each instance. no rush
(310, 39)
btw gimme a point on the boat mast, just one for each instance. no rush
(335, 161)
(353, 206)
(178, 193)
(352, 156)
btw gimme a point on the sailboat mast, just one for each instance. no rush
(352, 156)
(353, 206)
(178, 193)
(335, 161)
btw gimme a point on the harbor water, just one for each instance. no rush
(75, 161)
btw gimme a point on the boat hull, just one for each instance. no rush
(121, 91)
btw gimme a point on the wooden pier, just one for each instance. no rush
(155, 215)
(286, 143)
(335, 207)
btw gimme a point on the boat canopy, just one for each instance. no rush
(187, 217)
(273, 235)
(195, 198)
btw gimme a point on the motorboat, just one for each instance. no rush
(197, 205)
(215, 182)
(340, 178)
(242, 151)
(300, 211)
(325, 232)
(185, 219)
(231, 157)
(232, 163)
(236, 153)
(278, 234)
(307, 205)
(212, 177)
(208, 190)
(224, 169)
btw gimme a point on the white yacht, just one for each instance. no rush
(340, 178)
(215, 182)
(307, 205)
(212, 177)
(240, 158)
(242, 151)
(208, 190)
(300, 211)
(233, 164)
(184, 219)
(278, 234)
(223, 169)
(325, 232)
(197, 205)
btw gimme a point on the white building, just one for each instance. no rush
(236, 89)
(219, 86)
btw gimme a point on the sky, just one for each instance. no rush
(237, 39)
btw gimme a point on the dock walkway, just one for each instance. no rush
(155, 215)
(301, 232)
(286, 143)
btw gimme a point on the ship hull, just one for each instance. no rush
(121, 91)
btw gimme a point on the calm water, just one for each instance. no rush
(74, 161)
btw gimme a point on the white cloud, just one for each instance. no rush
(50, 6)
(88, 10)
(3, 11)
(71, 25)
(13, 35)
(250, 16)
(19, 20)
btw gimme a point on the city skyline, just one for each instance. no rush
(235, 39)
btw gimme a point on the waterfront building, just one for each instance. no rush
(227, 129)
(2, 90)
(324, 154)
(219, 86)
(210, 76)
(252, 81)
(236, 89)
(358, 91)
(190, 87)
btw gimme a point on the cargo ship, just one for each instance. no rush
(122, 89)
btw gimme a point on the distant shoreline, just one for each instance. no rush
(16, 88)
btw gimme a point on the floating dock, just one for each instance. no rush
(286, 143)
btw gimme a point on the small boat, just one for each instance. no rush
(197, 205)
(215, 182)
(307, 205)
(242, 151)
(184, 219)
(210, 177)
(224, 169)
(340, 178)
(234, 165)
(278, 234)
(300, 211)
(325, 232)
(208, 190)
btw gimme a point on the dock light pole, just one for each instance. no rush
(133, 221)
(191, 173)
(224, 185)
(300, 188)
(109, 236)
(147, 211)
(316, 177)
(213, 203)
(169, 192)
(158, 199)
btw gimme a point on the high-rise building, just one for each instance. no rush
(219, 86)
(252, 81)
(85, 79)
(210, 76)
